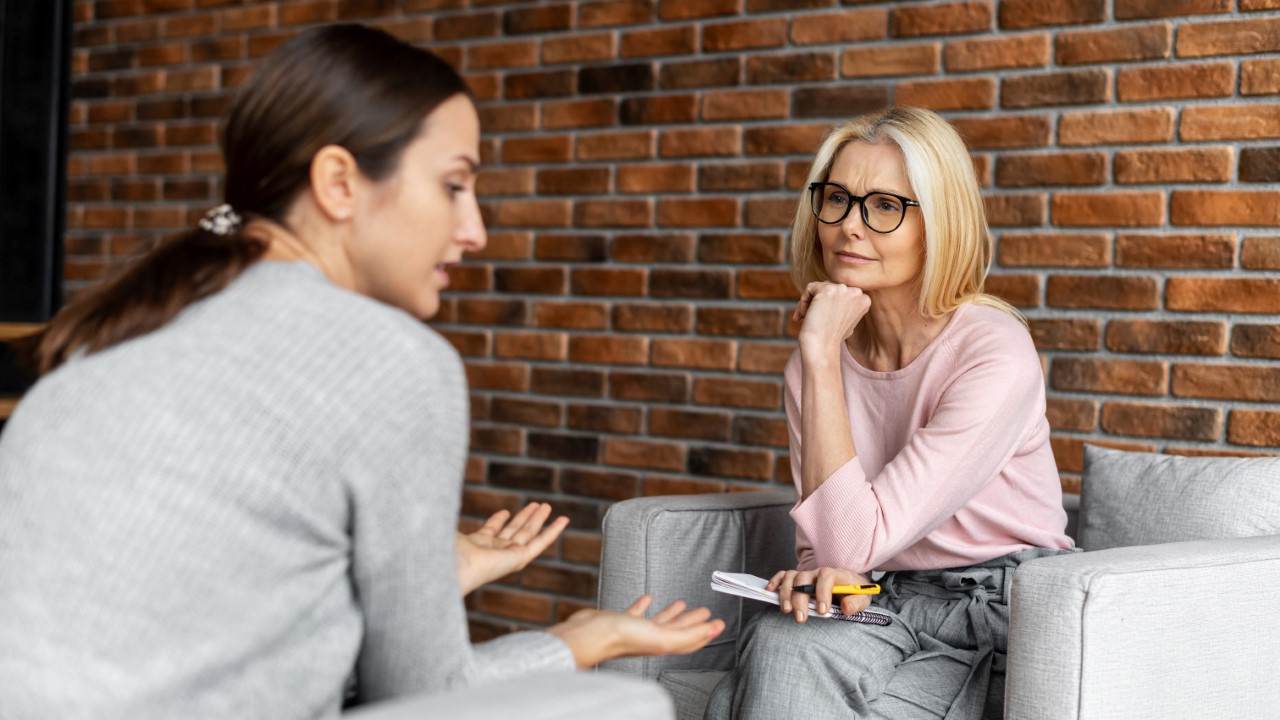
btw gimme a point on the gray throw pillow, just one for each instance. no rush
(1133, 498)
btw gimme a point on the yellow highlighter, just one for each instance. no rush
(865, 589)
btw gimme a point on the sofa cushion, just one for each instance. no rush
(1133, 498)
(690, 690)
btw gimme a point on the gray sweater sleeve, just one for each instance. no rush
(405, 482)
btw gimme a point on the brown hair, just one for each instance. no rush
(346, 85)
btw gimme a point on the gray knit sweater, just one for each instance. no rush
(227, 517)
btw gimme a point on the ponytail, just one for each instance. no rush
(148, 294)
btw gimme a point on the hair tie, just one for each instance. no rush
(221, 220)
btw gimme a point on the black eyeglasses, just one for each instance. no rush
(881, 211)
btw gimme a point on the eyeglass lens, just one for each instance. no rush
(881, 212)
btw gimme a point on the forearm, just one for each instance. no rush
(824, 418)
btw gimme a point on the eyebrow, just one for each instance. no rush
(471, 162)
(873, 190)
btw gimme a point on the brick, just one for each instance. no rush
(1128, 209)
(608, 281)
(533, 213)
(1225, 207)
(573, 181)
(951, 19)
(1239, 122)
(784, 140)
(1254, 427)
(1260, 77)
(1080, 168)
(1136, 9)
(731, 463)
(649, 248)
(839, 101)
(1176, 251)
(528, 607)
(767, 358)
(1208, 164)
(1260, 341)
(1153, 125)
(657, 485)
(617, 146)
(483, 86)
(492, 182)
(738, 392)
(471, 25)
(1041, 13)
(537, 280)
(704, 142)
(1183, 422)
(740, 248)
(502, 441)
(740, 176)
(1252, 383)
(654, 455)
(1015, 210)
(682, 40)
(890, 60)
(605, 418)
(840, 27)
(1009, 131)
(306, 13)
(679, 10)
(493, 311)
(575, 382)
(744, 34)
(655, 178)
(1128, 44)
(617, 78)
(541, 19)
(1072, 414)
(766, 285)
(679, 283)
(1167, 337)
(701, 212)
(610, 349)
(471, 278)
(1239, 295)
(615, 12)
(1260, 164)
(700, 73)
(769, 212)
(1238, 37)
(746, 322)
(538, 149)
(1176, 81)
(1018, 290)
(1123, 377)
(671, 422)
(1261, 253)
(790, 69)
(1019, 51)
(1055, 250)
(695, 353)
(1254, 5)
(575, 315)
(656, 110)
(1066, 334)
(564, 447)
(498, 376)
(746, 105)
(561, 580)
(531, 345)
(613, 213)
(1069, 452)
(1075, 87)
(495, 118)
(599, 484)
(522, 411)
(653, 318)
(1109, 292)
(541, 84)
(941, 95)
(597, 112)
(503, 55)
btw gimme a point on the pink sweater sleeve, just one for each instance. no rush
(983, 415)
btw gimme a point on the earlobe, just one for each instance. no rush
(334, 181)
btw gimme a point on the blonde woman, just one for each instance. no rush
(919, 444)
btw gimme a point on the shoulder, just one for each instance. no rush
(982, 335)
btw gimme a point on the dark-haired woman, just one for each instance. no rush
(235, 488)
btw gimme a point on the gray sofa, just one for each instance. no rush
(1172, 611)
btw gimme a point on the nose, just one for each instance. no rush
(470, 233)
(853, 223)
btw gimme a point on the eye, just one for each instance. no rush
(886, 204)
(454, 188)
(838, 199)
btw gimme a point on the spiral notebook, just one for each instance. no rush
(753, 588)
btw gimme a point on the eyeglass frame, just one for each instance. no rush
(862, 206)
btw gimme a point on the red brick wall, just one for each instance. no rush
(625, 329)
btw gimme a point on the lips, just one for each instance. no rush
(851, 257)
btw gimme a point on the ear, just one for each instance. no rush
(335, 181)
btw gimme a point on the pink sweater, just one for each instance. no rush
(953, 465)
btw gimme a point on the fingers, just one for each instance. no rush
(671, 612)
(526, 523)
(543, 540)
(640, 606)
(854, 604)
(494, 524)
(784, 590)
(822, 593)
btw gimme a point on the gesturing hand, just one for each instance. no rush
(824, 579)
(500, 547)
(830, 312)
(598, 635)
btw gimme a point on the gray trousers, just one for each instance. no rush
(942, 656)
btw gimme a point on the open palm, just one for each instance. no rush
(505, 544)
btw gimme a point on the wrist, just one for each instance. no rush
(819, 351)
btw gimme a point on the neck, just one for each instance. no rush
(894, 332)
(287, 245)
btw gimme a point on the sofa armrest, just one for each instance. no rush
(1173, 630)
(541, 696)
(668, 547)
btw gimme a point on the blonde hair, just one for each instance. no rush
(957, 242)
